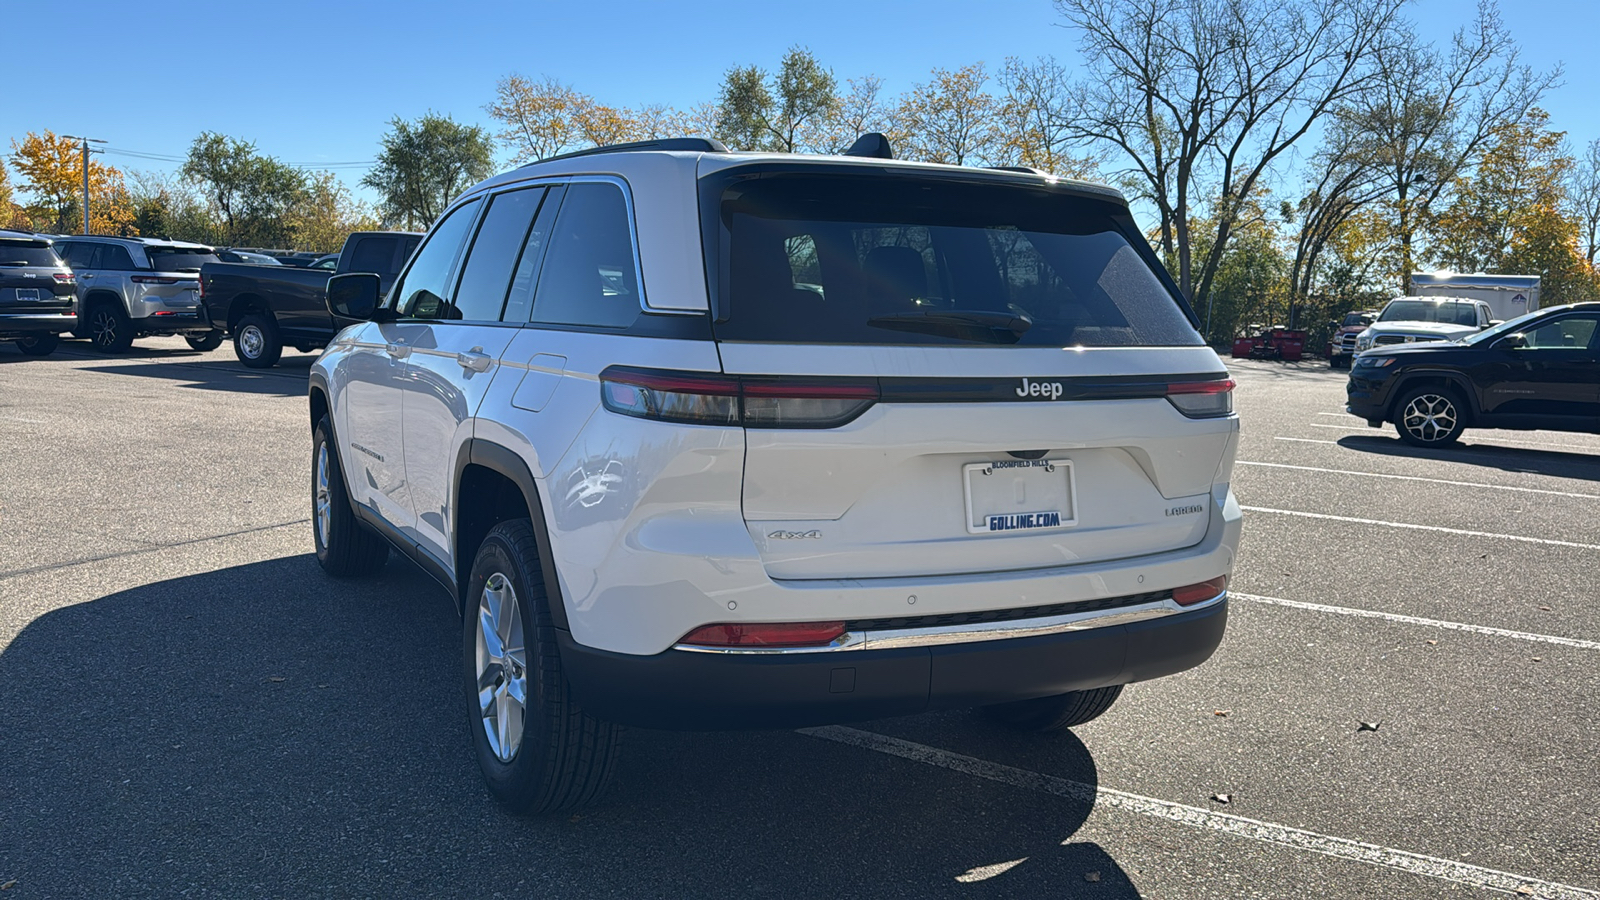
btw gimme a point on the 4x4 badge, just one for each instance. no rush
(796, 535)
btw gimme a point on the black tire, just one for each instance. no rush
(560, 757)
(256, 341)
(345, 547)
(110, 329)
(1430, 416)
(1056, 713)
(39, 345)
(211, 340)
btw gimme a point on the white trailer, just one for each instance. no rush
(1508, 295)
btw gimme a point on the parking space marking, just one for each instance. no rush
(1473, 484)
(1359, 429)
(1414, 527)
(1418, 620)
(1196, 817)
(1305, 440)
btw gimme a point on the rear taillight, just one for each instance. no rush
(151, 279)
(64, 277)
(1202, 399)
(1190, 594)
(754, 402)
(773, 634)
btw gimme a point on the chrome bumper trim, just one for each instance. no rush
(889, 639)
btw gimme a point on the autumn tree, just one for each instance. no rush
(50, 168)
(11, 215)
(327, 213)
(1030, 120)
(859, 110)
(951, 118)
(1203, 98)
(541, 118)
(252, 192)
(1509, 216)
(1583, 190)
(425, 164)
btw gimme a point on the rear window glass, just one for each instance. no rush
(27, 253)
(1449, 312)
(373, 254)
(178, 259)
(888, 260)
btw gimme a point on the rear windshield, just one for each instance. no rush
(27, 253)
(864, 259)
(1449, 312)
(179, 259)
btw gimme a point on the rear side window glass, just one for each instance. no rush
(113, 256)
(486, 276)
(1569, 333)
(531, 258)
(887, 260)
(27, 253)
(589, 275)
(372, 254)
(178, 259)
(83, 256)
(425, 292)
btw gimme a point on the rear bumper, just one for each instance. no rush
(685, 690)
(180, 323)
(15, 325)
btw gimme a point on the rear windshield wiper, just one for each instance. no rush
(966, 324)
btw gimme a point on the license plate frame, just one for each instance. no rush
(27, 295)
(988, 512)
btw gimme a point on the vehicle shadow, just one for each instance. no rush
(264, 729)
(1488, 455)
(288, 379)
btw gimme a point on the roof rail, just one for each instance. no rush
(1028, 169)
(689, 144)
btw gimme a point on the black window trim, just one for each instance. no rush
(460, 269)
(455, 261)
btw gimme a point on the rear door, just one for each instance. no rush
(1017, 388)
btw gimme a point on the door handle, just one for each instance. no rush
(86, 275)
(397, 349)
(475, 360)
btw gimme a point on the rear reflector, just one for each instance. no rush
(754, 402)
(1189, 595)
(771, 634)
(1202, 399)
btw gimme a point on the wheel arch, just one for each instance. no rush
(1445, 378)
(245, 304)
(494, 484)
(101, 295)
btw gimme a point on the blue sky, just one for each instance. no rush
(317, 82)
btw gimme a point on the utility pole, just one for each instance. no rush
(86, 142)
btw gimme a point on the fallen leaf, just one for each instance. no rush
(1538, 659)
(1222, 798)
(275, 678)
(1525, 890)
(8, 885)
(1091, 876)
(1433, 642)
(1369, 726)
(1545, 608)
(1220, 712)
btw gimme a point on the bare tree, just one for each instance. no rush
(1203, 97)
(949, 119)
(859, 111)
(1344, 178)
(1430, 114)
(1583, 192)
(1033, 96)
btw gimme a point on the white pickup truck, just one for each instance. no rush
(1407, 320)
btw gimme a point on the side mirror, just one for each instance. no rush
(355, 296)
(1513, 342)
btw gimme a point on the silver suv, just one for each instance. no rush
(131, 287)
(699, 439)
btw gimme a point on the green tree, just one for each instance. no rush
(171, 207)
(742, 108)
(787, 111)
(252, 192)
(424, 164)
(327, 213)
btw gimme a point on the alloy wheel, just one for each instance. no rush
(323, 500)
(103, 329)
(1429, 417)
(502, 663)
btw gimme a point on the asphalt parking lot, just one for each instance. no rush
(189, 707)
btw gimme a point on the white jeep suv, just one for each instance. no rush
(703, 440)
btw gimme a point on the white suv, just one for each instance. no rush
(705, 440)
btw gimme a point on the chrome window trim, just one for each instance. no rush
(897, 638)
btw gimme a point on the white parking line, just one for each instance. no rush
(1408, 525)
(1418, 620)
(1306, 440)
(1358, 429)
(1196, 817)
(1473, 484)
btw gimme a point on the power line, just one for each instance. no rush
(164, 157)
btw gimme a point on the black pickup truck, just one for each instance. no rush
(264, 308)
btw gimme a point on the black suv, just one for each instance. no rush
(38, 294)
(1541, 370)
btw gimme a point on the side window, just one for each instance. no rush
(424, 292)
(589, 275)
(531, 258)
(114, 256)
(372, 254)
(1566, 333)
(486, 275)
(83, 256)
